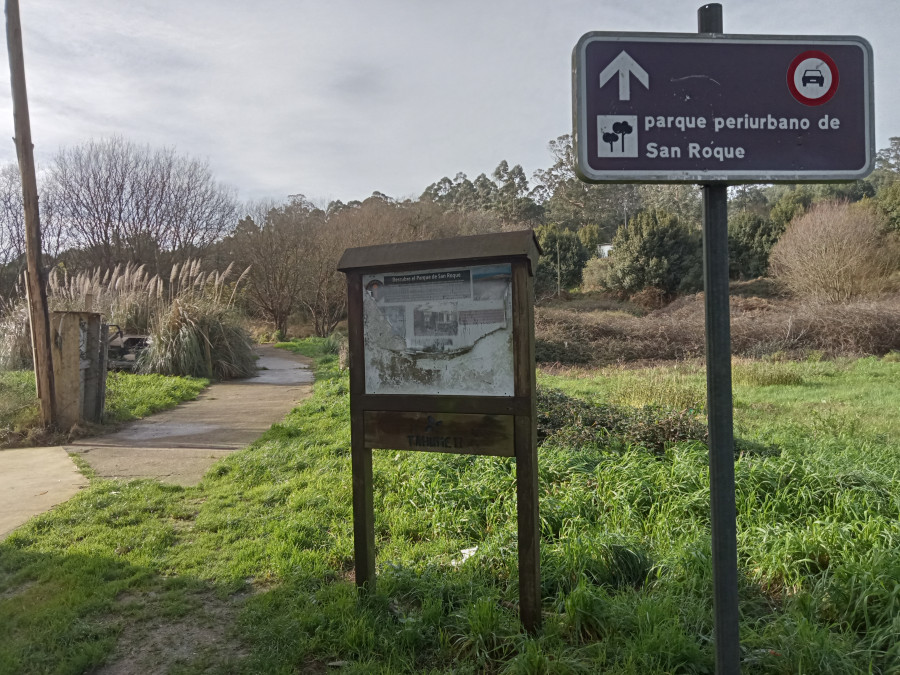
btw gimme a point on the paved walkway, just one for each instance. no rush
(174, 446)
(34, 480)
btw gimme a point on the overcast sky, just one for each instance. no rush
(336, 99)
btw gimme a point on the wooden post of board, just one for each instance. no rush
(37, 292)
(526, 451)
(360, 455)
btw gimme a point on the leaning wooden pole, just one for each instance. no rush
(37, 291)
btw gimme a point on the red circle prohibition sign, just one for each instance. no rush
(818, 81)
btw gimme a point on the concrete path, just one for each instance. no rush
(174, 446)
(34, 480)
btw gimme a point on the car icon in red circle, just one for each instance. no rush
(813, 77)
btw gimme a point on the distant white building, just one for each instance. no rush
(603, 250)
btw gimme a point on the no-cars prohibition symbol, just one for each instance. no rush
(812, 78)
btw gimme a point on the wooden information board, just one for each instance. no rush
(442, 360)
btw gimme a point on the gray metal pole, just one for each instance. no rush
(719, 407)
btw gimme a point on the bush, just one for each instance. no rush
(650, 298)
(836, 252)
(199, 333)
(888, 204)
(563, 259)
(750, 241)
(593, 278)
(654, 250)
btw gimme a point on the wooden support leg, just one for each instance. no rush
(363, 516)
(529, 526)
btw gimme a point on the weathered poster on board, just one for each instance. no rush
(439, 331)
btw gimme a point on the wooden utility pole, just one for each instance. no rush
(37, 291)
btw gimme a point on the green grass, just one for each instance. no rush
(314, 348)
(625, 551)
(128, 397)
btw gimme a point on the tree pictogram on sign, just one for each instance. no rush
(618, 136)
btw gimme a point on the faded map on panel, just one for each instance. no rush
(441, 331)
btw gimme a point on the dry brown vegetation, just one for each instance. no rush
(760, 327)
(836, 252)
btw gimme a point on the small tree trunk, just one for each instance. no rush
(558, 272)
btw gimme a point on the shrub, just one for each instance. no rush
(654, 250)
(887, 202)
(198, 339)
(750, 241)
(593, 277)
(563, 259)
(650, 297)
(834, 253)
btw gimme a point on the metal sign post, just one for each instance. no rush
(716, 110)
(719, 408)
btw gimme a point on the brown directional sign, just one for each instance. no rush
(658, 107)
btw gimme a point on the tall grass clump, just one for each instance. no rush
(200, 333)
(194, 327)
(15, 336)
(665, 387)
(127, 296)
(764, 374)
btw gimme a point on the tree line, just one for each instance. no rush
(112, 202)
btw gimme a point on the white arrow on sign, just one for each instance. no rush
(624, 65)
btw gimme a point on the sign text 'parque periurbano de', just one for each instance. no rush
(658, 107)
